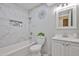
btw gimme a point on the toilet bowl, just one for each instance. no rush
(36, 49)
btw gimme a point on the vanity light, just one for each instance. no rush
(63, 5)
(60, 6)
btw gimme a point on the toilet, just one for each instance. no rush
(35, 50)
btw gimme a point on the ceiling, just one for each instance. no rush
(27, 6)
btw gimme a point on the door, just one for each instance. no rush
(59, 48)
(74, 49)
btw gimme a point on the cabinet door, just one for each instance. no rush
(74, 49)
(59, 48)
(53, 44)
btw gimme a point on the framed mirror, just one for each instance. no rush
(66, 18)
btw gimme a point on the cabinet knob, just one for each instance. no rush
(66, 44)
(63, 44)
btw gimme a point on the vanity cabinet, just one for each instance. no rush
(58, 48)
(65, 48)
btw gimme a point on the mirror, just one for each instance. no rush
(66, 17)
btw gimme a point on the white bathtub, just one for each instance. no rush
(18, 49)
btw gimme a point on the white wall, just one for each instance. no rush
(66, 31)
(10, 34)
(44, 25)
(52, 18)
(48, 25)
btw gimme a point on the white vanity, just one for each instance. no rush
(65, 46)
(66, 18)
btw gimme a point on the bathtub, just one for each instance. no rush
(18, 49)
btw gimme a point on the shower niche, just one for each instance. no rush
(66, 17)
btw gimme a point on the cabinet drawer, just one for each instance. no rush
(59, 41)
(74, 44)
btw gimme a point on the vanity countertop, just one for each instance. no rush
(66, 39)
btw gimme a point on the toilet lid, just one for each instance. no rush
(35, 48)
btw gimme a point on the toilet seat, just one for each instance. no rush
(36, 49)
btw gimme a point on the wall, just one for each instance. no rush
(11, 34)
(48, 25)
(44, 25)
(52, 17)
(66, 31)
